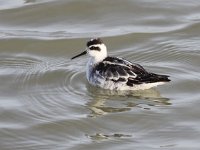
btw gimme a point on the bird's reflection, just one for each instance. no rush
(107, 101)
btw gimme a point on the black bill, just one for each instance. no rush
(83, 53)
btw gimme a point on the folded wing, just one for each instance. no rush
(119, 70)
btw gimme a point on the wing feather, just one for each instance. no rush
(119, 70)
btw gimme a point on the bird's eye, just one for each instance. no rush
(95, 48)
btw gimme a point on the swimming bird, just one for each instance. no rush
(116, 73)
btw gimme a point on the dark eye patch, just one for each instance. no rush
(95, 48)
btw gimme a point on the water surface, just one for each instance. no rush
(46, 101)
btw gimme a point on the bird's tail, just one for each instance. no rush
(158, 78)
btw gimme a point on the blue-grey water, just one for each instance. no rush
(46, 101)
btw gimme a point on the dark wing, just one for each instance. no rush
(119, 70)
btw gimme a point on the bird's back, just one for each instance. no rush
(117, 73)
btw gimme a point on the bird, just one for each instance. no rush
(115, 73)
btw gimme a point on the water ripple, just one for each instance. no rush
(46, 101)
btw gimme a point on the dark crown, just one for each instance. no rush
(94, 42)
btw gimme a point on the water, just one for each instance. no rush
(46, 101)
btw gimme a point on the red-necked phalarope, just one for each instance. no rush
(115, 73)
